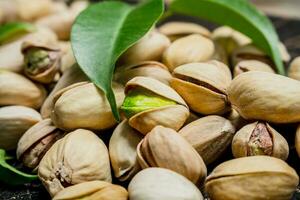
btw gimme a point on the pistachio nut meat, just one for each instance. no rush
(297, 141)
(265, 96)
(251, 65)
(252, 178)
(162, 184)
(14, 122)
(149, 103)
(165, 148)
(209, 135)
(259, 138)
(203, 86)
(78, 157)
(93, 190)
(294, 69)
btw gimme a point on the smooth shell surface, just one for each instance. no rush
(251, 65)
(294, 69)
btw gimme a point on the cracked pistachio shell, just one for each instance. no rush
(203, 86)
(36, 141)
(150, 47)
(16, 89)
(251, 65)
(78, 157)
(259, 138)
(210, 136)
(83, 105)
(175, 30)
(294, 69)
(122, 151)
(14, 122)
(93, 190)
(192, 48)
(265, 96)
(165, 148)
(162, 184)
(171, 116)
(151, 69)
(297, 140)
(252, 178)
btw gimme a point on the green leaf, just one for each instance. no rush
(103, 31)
(13, 30)
(240, 15)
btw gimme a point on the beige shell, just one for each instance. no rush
(29, 10)
(172, 116)
(165, 148)
(252, 178)
(84, 106)
(203, 86)
(16, 89)
(285, 56)
(294, 69)
(240, 142)
(176, 29)
(162, 184)
(67, 59)
(265, 96)
(14, 122)
(236, 119)
(122, 151)
(297, 141)
(192, 48)
(210, 136)
(78, 157)
(151, 69)
(220, 54)
(93, 190)
(251, 65)
(36, 141)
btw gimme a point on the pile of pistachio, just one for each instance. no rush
(186, 95)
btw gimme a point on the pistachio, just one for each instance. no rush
(203, 86)
(162, 184)
(67, 163)
(149, 103)
(36, 141)
(252, 178)
(15, 89)
(210, 136)
(164, 147)
(192, 48)
(265, 96)
(294, 69)
(285, 56)
(93, 190)
(14, 121)
(236, 119)
(252, 65)
(220, 54)
(67, 59)
(122, 151)
(259, 138)
(297, 141)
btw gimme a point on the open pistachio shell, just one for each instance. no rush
(252, 178)
(192, 48)
(162, 184)
(14, 122)
(203, 86)
(294, 69)
(78, 157)
(210, 136)
(297, 141)
(259, 138)
(93, 190)
(122, 151)
(251, 65)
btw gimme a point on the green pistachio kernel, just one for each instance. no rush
(37, 60)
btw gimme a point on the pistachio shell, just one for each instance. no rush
(297, 141)
(210, 136)
(162, 184)
(67, 59)
(14, 121)
(252, 178)
(220, 54)
(285, 56)
(122, 151)
(192, 48)
(32, 9)
(93, 190)
(265, 96)
(251, 65)
(236, 119)
(294, 69)
(78, 157)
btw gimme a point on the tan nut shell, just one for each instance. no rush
(162, 184)
(242, 137)
(14, 122)
(164, 147)
(210, 136)
(122, 151)
(78, 157)
(83, 105)
(93, 190)
(209, 94)
(172, 116)
(251, 65)
(294, 69)
(297, 141)
(265, 96)
(192, 48)
(252, 178)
